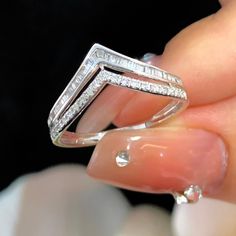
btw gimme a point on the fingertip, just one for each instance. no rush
(224, 2)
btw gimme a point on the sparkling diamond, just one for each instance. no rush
(82, 70)
(177, 92)
(183, 95)
(117, 79)
(131, 65)
(70, 113)
(112, 59)
(193, 193)
(164, 90)
(85, 68)
(122, 158)
(76, 107)
(49, 121)
(170, 78)
(83, 100)
(165, 75)
(173, 91)
(176, 80)
(190, 195)
(124, 82)
(66, 118)
(128, 83)
(73, 86)
(64, 98)
(158, 73)
(90, 92)
(124, 62)
(134, 84)
(78, 79)
(57, 108)
(58, 127)
(139, 68)
(154, 89)
(180, 198)
(145, 86)
(89, 62)
(100, 53)
(111, 79)
(147, 70)
(54, 134)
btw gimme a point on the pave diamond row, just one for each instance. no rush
(99, 82)
(164, 90)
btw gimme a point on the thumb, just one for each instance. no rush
(203, 55)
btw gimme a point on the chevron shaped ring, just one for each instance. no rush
(103, 66)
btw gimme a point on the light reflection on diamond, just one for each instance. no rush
(122, 158)
(191, 194)
(180, 198)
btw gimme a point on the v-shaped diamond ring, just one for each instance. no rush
(103, 66)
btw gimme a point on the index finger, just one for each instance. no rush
(203, 55)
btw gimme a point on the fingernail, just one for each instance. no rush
(164, 160)
(147, 57)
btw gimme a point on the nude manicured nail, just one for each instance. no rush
(161, 160)
(147, 57)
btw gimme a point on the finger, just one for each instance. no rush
(147, 220)
(224, 2)
(196, 148)
(61, 201)
(203, 55)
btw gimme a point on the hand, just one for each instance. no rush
(198, 146)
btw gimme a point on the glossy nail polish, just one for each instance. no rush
(164, 160)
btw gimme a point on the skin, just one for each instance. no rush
(204, 56)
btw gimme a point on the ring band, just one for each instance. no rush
(104, 66)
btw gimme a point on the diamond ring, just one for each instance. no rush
(103, 66)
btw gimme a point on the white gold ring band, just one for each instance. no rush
(103, 66)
